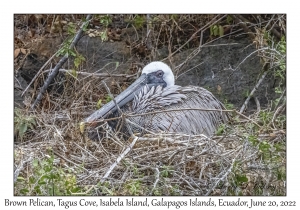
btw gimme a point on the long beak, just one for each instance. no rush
(122, 99)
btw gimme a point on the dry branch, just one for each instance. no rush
(253, 91)
(21, 167)
(53, 74)
(239, 20)
(111, 168)
(71, 72)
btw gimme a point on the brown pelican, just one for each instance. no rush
(160, 105)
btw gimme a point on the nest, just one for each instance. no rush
(160, 164)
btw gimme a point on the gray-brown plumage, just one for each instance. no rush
(189, 121)
(159, 94)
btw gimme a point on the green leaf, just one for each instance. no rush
(99, 104)
(31, 180)
(139, 21)
(229, 19)
(44, 177)
(103, 36)
(211, 30)
(175, 16)
(38, 189)
(54, 176)
(75, 190)
(48, 168)
(41, 171)
(72, 52)
(105, 20)
(215, 30)
(220, 130)
(42, 182)
(221, 31)
(22, 129)
(35, 163)
(51, 159)
(84, 28)
(19, 179)
(242, 178)
(24, 191)
(71, 28)
(264, 146)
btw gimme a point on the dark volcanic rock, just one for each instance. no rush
(229, 69)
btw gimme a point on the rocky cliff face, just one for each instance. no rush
(228, 68)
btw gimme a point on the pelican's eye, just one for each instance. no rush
(159, 73)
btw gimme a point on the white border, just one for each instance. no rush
(121, 6)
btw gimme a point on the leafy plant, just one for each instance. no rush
(139, 21)
(134, 187)
(220, 130)
(167, 171)
(228, 105)
(216, 30)
(47, 179)
(99, 104)
(22, 122)
(106, 189)
(105, 20)
(265, 117)
(108, 98)
(79, 59)
(71, 28)
(65, 49)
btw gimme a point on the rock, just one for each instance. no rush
(19, 86)
(227, 69)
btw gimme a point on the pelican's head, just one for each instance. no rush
(153, 74)
(159, 72)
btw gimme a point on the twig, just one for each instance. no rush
(20, 168)
(257, 104)
(92, 74)
(79, 166)
(84, 193)
(112, 96)
(253, 91)
(274, 31)
(154, 153)
(149, 26)
(225, 175)
(156, 180)
(277, 112)
(194, 34)
(53, 74)
(86, 151)
(237, 18)
(119, 110)
(261, 49)
(280, 98)
(111, 168)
